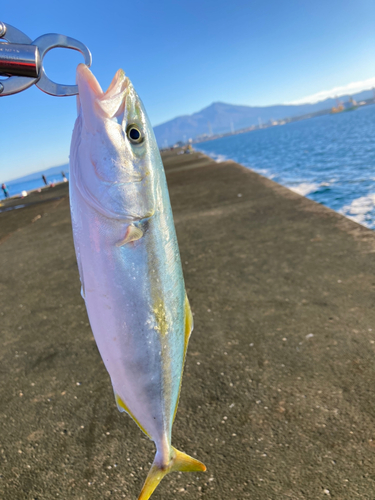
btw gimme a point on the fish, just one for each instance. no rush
(129, 262)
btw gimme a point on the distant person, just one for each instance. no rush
(5, 190)
(45, 180)
(64, 176)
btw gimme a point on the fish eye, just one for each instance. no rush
(134, 134)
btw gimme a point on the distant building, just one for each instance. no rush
(338, 108)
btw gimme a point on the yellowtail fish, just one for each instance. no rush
(129, 262)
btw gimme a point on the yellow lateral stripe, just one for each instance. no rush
(188, 329)
(161, 317)
(120, 402)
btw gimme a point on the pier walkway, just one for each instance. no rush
(278, 395)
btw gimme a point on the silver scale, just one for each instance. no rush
(21, 61)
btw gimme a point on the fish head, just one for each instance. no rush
(113, 148)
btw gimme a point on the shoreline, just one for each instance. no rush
(33, 196)
(281, 122)
(317, 171)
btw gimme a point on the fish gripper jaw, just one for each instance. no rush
(21, 61)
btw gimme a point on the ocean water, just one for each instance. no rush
(16, 186)
(329, 159)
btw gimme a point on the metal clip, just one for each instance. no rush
(21, 61)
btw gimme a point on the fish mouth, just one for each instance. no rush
(108, 104)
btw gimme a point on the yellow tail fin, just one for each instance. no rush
(179, 462)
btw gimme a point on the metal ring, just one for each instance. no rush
(3, 29)
(51, 41)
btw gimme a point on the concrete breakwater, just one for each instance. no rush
(278, 392)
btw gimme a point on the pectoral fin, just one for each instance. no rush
(133, 233)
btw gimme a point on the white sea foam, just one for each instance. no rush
(264, 171)
(219, 158)
(304, 188)
(359, 208)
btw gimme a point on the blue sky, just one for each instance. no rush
(181, 56)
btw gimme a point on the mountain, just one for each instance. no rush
(219, 118)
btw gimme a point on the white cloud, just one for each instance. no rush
(349, 89)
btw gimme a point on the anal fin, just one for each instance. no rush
(123, 407)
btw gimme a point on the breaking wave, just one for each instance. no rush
(304, 188)
(361, 210)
